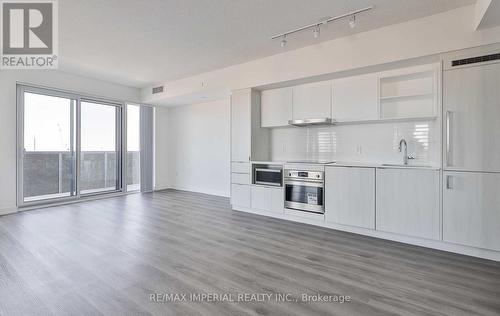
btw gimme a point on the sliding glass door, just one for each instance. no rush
(100, 147)
(48, 154)
(68, 146)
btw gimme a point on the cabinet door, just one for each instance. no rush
(471, 101)
(355, 98)
(350, 196)
(276, 107)
(240, 195)
(471, 209)
(277, 200)
(267, 199)
(408, 202)
(261, 198)
(313, 100)
(240, 125)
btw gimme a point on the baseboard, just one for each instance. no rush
(427, 243)
(162, 188)
(8, 210)
(200, 190)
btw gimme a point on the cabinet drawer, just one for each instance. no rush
(240, 178)
(240, 167)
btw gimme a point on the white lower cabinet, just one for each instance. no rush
(408, 202)
(267, 199)
(240, 195)
(350, 196)
(471, 209)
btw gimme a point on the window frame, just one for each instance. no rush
(121, 143)
(125, 154)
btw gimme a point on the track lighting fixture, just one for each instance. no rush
(317, 25)
(316, 32)
(352, 21)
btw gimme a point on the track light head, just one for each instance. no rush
(352, 21)
(317, 31)
(283, 41)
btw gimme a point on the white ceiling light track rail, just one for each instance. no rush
(316, 26)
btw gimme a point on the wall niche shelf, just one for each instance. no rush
(408, 95)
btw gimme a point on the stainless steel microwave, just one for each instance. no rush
(268, 176)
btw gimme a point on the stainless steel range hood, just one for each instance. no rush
(312, 122)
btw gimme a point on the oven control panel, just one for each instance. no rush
(299, 174)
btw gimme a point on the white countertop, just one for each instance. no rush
(277, 162)
(358, 164)
(383, 165)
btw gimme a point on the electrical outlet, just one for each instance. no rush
(283, 148)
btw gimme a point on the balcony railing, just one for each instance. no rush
(51, 173)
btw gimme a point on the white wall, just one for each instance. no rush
(192, 148)
(444, 32)
(49, 78)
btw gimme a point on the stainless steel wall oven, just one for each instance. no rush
(304, 190)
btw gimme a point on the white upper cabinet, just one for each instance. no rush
(471, 209)
(350, 196)
(355, 98)
(312, 100)
(407, 93)
(276, 107)
(241, 125)
(408, 202)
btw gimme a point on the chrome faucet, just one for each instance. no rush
(405, 154)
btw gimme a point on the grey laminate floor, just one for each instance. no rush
(109, 256)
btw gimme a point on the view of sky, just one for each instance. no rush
(47, 125)
(98, 127)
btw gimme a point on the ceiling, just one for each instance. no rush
(142, 43)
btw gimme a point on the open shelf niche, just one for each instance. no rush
(409, 95)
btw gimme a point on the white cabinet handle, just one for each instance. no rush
(448, 139)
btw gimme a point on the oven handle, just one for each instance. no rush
(315, 184)
(274, 184)
(269, 170)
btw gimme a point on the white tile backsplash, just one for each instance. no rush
(374, 142)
